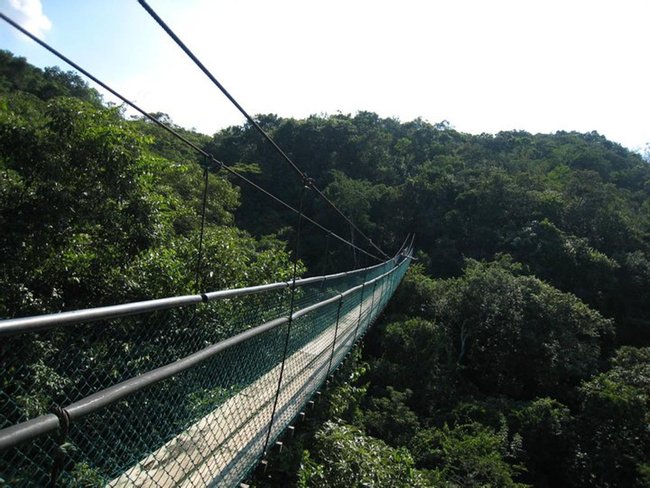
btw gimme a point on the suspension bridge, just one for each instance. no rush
(204, 419)
(187, 390)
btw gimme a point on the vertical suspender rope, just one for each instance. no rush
(354, 251)
(327, 254)
(372, 303)
(59, 456)
(363, 288)
(325, 259)
(290, 322)
(336, 331)
(199, 257)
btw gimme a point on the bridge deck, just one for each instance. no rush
(212, 451)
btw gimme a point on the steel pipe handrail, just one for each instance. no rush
(61, 319)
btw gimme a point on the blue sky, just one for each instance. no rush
(484, 66)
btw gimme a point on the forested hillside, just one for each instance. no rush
(572, 208)
(516, 352)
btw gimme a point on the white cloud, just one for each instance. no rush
(30, 16)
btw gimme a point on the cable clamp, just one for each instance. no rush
(307, 181)
(217, 165)
(64, 422)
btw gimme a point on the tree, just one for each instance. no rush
(546, 429)
(344, 457)
(612, 426)
(16, 75)
(469, 456)
(389, 418)
(496, 321)
(415, 355)
(75, 205)
(613, 439)
(568, 262)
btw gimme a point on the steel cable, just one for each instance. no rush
(176, 134)
(303, 176)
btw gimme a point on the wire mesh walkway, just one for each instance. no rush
(191, 390)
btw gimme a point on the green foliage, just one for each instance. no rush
(415, 355)
(612, 428)
(84, 476)
(98, 210)
(631, 366)
(567, 261)
(415, 296)
(74, 205)
(356, 198)
(389, 418)
(16, 75)
(344, 457)
(494, 339)
(166, 145)
(634, 290)
(545, 426)
(470, 455)
(495, 319)
(612, 432)
(90, 215)
(344, 403)
(344, 399)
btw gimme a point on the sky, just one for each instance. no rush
(484, 66)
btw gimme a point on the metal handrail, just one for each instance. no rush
(49, 321)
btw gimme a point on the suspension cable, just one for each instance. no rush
(176, 133)
(354, 254)
(303, 177)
